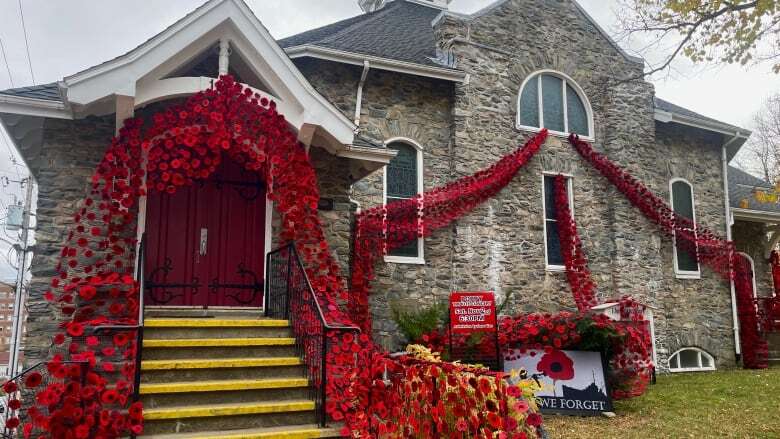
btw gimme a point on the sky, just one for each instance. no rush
(67, 36)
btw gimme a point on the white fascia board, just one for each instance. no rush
(367, 154)
(755, 215)
(34, 107)
(376, 62)
(667, 117)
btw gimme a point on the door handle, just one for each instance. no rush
(204, 241)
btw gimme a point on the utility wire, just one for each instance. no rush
(26, 43)
(13, 156)
(7, 67)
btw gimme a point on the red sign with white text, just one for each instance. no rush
(472, 312)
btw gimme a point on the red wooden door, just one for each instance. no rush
(205, 244)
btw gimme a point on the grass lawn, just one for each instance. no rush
(723, 404)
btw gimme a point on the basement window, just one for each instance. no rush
(691, 359)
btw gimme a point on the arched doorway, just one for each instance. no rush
(205, 244)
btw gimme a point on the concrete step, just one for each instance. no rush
(156, 395)
(225, 417)
(241, 347)
(191, 312)
(296, 432)
(211, 328)
(180, 370)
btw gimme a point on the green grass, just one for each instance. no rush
(723, 404)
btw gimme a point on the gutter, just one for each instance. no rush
(377, 62)
(727, 205)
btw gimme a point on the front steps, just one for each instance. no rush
(227, 376)
(773, 340)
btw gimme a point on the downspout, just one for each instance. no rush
(729, 219)
(359, 101)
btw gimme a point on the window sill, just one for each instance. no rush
(692, 369)
(554, 133)
(694, 275)
(404, 260)
(556, 268)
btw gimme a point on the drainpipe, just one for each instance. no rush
(359, 101)
(727, 205)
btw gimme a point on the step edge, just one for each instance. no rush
(218, 342)
(224, 410)
(226, 363)
(292, 433)
(215, 323)
(222, 385)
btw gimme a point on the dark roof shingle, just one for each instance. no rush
(672, 108)
(47, 92)
(400, 31)
(742, 186)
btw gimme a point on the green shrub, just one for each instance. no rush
(416, 322)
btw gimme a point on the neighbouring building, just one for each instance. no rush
(7, 298)
(399, 100)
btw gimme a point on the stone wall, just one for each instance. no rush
(62, 168)
(500, 246)
(750, 238)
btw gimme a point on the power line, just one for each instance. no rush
(26, 43)
(8, 67)
(12, 155)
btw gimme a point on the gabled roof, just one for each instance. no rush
(742, 186)
(399, 31)
(46, 92)
(669, 107)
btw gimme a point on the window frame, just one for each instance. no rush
(566, 80)
(753, 271)
(683, 274)
(570, 189)
(420, 258)
(701, 368)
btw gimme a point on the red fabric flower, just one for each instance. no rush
(10, 387)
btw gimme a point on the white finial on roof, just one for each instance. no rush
(371, 5)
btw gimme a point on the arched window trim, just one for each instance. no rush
(683, 274)
(566, 80)
(753, 269)
(700, 368)
(420, 259)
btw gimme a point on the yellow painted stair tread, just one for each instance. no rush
(214, 410)
(219, 363)
(286, 432)
(217, 342)
(222, 385)
(216, 323)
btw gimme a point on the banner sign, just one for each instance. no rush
(573, 382)
(472, 312)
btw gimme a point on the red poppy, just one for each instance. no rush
(556, 365)
(14, 404)
(12, 422)
(33, 380)
(87, 292)
(10, 387)
(534, 420)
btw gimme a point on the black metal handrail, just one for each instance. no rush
(290, 296)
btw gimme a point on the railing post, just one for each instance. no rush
(324, 380)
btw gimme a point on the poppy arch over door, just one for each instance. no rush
(94, 286)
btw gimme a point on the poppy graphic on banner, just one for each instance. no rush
(472, 312)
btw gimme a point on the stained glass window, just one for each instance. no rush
(682, 203)
(402, 183)
(562, 107)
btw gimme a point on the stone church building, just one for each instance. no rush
(404, 98)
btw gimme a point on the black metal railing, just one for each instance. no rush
(290, 296)
(28, 384)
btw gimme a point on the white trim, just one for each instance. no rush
(420, 259)
(683, 274)
(565, 80)
(376, 62)
(753, 271)
(570, 189)
(366, 153)
(269, 219)
(755, 215)
(34, 107)
(666, 117)
(700, 368)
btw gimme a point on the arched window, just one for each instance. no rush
(691, 359)
(686, 262)
(403, 180)
(554, 101)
